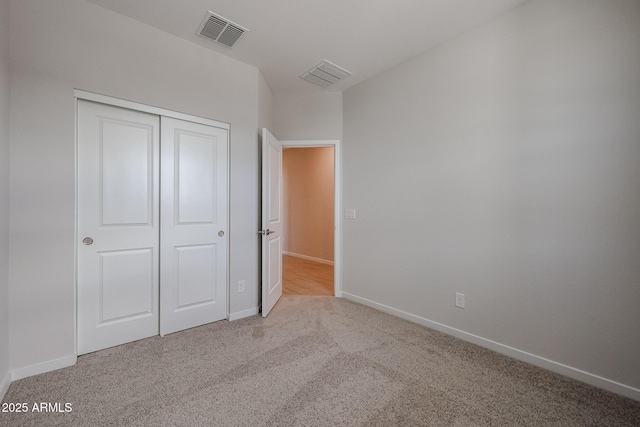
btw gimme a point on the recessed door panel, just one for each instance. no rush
(126, 285)
(275, 275)
(126, 168)
(195, 162)
(196, 275)
(275, 187)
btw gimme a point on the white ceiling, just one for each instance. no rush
(287, 37)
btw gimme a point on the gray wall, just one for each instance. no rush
(266, 113)
(312, 115)
(66, 44)
(505, 164)
(4, 195)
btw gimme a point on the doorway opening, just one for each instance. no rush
(309, 219)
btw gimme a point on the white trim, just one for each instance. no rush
(4, 385)
(41, 368)
(75, 229)
(242, 314)
(310, 258)
(228, 225)
(337, 165)
(131, 105)
(559, 368)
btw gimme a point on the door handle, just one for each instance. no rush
(266, 232)
(87, 241)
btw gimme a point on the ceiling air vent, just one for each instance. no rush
(220, 29)
(325, 74)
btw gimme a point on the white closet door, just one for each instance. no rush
(118, 228)
(194, 218)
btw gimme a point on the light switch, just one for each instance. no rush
(350, 214)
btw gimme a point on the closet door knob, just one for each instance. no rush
(87, 241)
(220, 233)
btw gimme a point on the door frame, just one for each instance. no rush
(161, 112)
(337, 204)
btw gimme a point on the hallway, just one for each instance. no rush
(305, 277)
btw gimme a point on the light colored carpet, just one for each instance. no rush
(315, 361)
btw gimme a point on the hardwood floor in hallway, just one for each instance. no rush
(304, 277)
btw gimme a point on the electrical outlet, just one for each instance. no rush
(459, 300)
(240, 285)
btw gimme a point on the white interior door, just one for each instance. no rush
(118, 227)
(271, 221)
(194, 212)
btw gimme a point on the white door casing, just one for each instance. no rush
(271, 221)
(118, 220)
(193, 232)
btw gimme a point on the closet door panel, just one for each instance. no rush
(194, 221)
(195, 178)
(118, 225)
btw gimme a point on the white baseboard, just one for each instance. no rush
(41, 368)
(559, 368)
(310, 258)
(242, 314)
(4, 385)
